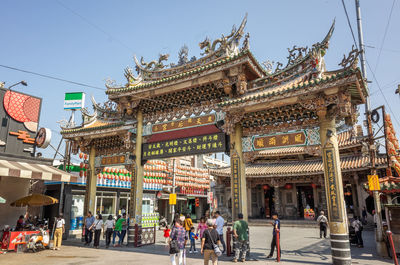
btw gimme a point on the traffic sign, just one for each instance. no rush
(172, 199)
(373, 183)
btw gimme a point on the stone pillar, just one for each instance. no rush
(91, 181)
(356, 206)
(340, 245)
(238, 170)
(136, 193)
(277, 200)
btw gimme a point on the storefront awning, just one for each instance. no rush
(34, 171)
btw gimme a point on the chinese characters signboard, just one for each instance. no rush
(331, 176)
(280, 140)
(373, 183)
(183, 124)
(113, 160)
(202, 144)
(133, 191)
(235, 167)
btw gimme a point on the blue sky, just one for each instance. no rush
(89, 41)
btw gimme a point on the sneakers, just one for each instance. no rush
(243, 260)
(234, 260)
(195, 251)
(190, 252)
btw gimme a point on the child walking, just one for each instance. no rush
(192, 237)
(166, 234)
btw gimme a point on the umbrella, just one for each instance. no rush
(34, 200)
(2, 200)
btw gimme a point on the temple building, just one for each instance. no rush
(227, 102)
(289, 180)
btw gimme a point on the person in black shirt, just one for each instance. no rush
(277, 226)
(210, 236)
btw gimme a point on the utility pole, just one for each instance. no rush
(380, 244)
(173, 190)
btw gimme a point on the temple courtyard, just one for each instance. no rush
(299, 246)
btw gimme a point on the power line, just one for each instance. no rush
(348, 22)
(384, 35)
(94, 25)
(51, 77)
(383, 95)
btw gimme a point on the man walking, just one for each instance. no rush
(276, 231)
(358, 227)
(219, 223)
(88, 232)
(240, 233)
(60, 230)
(323, 224)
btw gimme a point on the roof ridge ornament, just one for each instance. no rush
(155, 64)
(229, 45)
(352, 58)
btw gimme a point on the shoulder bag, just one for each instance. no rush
(173, 246)
(217, 251)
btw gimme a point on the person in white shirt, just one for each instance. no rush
(323, 224)
(60, 230)
(219, 223)
(108, 228)
(358, 227)
(97, 226)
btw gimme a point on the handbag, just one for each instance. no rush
(173, 246)
(217, 251)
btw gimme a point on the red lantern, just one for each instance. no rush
(288, 186)
(265, 187)
(313, 185)
(80, 155)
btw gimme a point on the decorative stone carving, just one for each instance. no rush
(231, 119)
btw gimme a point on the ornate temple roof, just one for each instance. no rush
(104, 117)
(302, 168)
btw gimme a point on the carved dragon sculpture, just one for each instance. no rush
(228, 43)
(155, 64)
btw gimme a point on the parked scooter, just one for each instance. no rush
(40, 240)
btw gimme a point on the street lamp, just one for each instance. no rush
(24, 83)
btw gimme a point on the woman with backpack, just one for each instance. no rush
(177, 243)
(208, 241)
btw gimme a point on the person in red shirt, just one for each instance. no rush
(166, 234)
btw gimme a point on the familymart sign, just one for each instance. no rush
(74, 100)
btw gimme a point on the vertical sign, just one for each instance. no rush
(210, 196)
(331, 176)
(373, 183)
(172, 199)
(132, 204)
(235, 184)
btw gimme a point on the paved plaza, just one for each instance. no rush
(299, 246)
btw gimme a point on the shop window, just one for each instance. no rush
(99, 209)
(289, 197)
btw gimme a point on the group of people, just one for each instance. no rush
(109, 227)
(356, 224)
(210, 232)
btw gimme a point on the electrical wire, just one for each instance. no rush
(51, 77)
(348, 22)
(94, 25)
(384, 35)
(383, 95)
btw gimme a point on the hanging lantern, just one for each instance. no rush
(81, 173)
(288, 186)
(85, 156)
(314, 186)
(265, 187)
(80, 155)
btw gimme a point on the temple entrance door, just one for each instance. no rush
(269, 202)
(305, 199)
